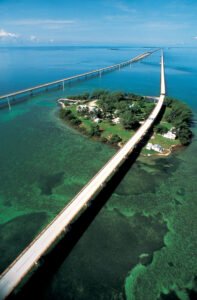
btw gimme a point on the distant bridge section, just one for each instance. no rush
(25, 262)
(163, 85)
(6, 100)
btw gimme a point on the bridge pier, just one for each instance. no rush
(63, 85)
(103, 184)
(9, 105)
(87, 204)
(126, 156)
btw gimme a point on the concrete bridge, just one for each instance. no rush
(6, 100)
(27, 260)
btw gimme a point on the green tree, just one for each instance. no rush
(168, 101)
(86, 96)
(97, 94)
(104, 140)
(147, 109)
(184, 134)
(129, 120)
(136, 109)
(107, 107)
(179, 113)
(161, 129)
(75, 121)
(94, 130)
(70, 116)
(115, 139)
(122, 106)
(117, 96)
(64, 113)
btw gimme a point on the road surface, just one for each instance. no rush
(13, 275)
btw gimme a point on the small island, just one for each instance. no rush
(113, 117)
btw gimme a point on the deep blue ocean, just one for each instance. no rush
(142, 243)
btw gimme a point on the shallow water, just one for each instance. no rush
(142, 243)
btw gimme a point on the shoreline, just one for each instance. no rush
(166, 153)
(104, 116)
(81, 131)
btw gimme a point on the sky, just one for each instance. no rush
(98, 22)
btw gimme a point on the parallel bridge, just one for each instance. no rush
(6, 100)
(25, 262)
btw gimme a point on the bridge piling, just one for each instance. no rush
(9, 105)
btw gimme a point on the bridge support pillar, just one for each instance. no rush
(103, 185)
(9, 105)
(63, 85)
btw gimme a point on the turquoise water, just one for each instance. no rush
(142, 244)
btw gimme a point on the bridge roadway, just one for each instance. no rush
(62, 81)
(13, 275)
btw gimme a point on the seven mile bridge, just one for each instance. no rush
(25, 262)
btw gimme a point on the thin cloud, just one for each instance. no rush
(195, 37)
(5, 34)
(124, 8)
(124, 18)
(33, 38)
(165, 25)
(42, 22)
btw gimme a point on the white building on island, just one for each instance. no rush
(97, 120)
(116, 120)
(149, 146)
(155, 147)
(170, 135)
(82, 108)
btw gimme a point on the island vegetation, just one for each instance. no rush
(113, 117)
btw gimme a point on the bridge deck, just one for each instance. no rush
(96, 72)
(12, 276)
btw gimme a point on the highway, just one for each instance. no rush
(13, 275)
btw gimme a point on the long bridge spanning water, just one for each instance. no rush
(8, 99)
(27, 260)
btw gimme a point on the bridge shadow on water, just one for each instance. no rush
(37, 282)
